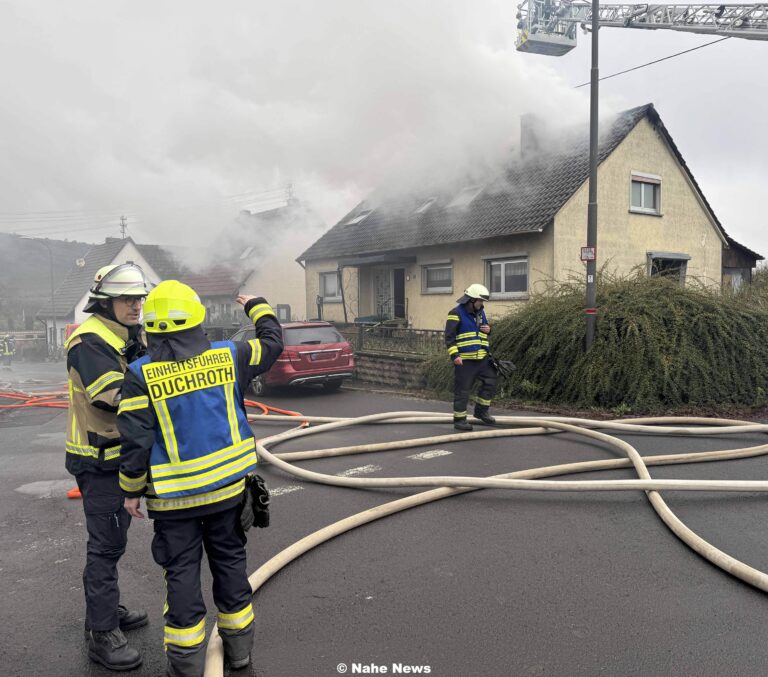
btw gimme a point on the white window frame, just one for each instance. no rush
(435, 265)
(361, 216)
(425, 205)
(668, 256)
(502, 260)
(321, 286)
(645, 179)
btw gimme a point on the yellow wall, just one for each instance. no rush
(623, 238)
(332, 311)
(280, 280)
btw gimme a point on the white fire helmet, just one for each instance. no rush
(125, 279)
(473, 292)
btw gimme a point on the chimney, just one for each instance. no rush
(532, 135)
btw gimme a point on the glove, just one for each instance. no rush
(254, 510)
(503, 367)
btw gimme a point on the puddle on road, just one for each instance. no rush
(47, 488)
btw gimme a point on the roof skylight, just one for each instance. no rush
(360, 217)
(465, 197)
(426, 205)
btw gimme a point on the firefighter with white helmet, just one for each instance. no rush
(98, 353)
(189, 450)
(466, 337)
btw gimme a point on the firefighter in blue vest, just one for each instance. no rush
(98, 352)
(466, 337)
(187, 448)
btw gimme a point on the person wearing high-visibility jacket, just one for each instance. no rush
(466, 337)
(187, 448)
(98, 352)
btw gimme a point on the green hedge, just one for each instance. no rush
(658, 345)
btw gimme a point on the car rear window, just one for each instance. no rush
(299, 336)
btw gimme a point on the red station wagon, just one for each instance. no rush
(313, 352)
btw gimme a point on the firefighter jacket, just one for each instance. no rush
(187, 444)
(96, 363)
(7, 346)
(462, 334)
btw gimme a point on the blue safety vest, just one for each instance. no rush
(471, 342)
(203, 438)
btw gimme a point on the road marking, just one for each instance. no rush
(361, 470)
(47, 489)
(426, 455)
(289, 488)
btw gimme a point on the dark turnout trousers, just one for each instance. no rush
(178, 548)
(107, 522)
(463, 378)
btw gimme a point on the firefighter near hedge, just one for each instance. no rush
(98, 352)
(7, 350)
(466, 337)
(188, 449)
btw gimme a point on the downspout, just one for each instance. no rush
(341, 286)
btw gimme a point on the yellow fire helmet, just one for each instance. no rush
(172, 306)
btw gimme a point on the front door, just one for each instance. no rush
(398, 292)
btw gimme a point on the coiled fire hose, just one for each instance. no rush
(520, 480)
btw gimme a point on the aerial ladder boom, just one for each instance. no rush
(550, 26)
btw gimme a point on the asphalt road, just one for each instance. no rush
(487, 583)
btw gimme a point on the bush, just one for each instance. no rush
(657, 345)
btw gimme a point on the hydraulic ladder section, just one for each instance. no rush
(550, 26)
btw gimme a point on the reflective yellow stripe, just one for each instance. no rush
(471, 342)
(133, 403)
(197, 481)
(103, 381)
(467, 334)
(452, 350)
(255, 351)
(453, 317)
(197, 464)
(185, 636)
(474, 355)
(236, 621)
(166, 427)
(93, 325)
(259, 311)
(133, 483)
(460, 414)
(234, 429)
(160, 504)
(480, 400)
(88, 450)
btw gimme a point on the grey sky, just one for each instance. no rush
(179, 114)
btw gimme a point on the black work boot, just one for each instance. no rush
(485, 417)
(111, 650)
(462, 424)
(129, 620)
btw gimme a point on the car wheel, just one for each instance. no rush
(330, 386)
(258, 386)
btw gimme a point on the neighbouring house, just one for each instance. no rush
(409, 257)
(257, 252)
(70, 298)
(31, 269)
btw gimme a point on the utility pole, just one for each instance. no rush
(590, 308)
(123, 226)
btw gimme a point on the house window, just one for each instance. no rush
(508, 277)
(329, 286)
(645, 193)
(668, 264)
(437, 279)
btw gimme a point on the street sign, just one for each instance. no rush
(588, 253)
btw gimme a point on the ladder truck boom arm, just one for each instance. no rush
(550, 26)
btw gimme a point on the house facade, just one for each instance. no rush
(410, 259)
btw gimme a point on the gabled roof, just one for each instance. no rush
(79, 280)
(161, 260)
(216, 281)
(745, 250)
(523, 199)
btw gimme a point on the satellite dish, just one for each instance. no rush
(80, 263)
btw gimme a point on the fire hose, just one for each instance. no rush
(530, 479)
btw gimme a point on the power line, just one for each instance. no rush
(650, 63)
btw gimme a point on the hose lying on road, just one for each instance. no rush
(520, 480)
